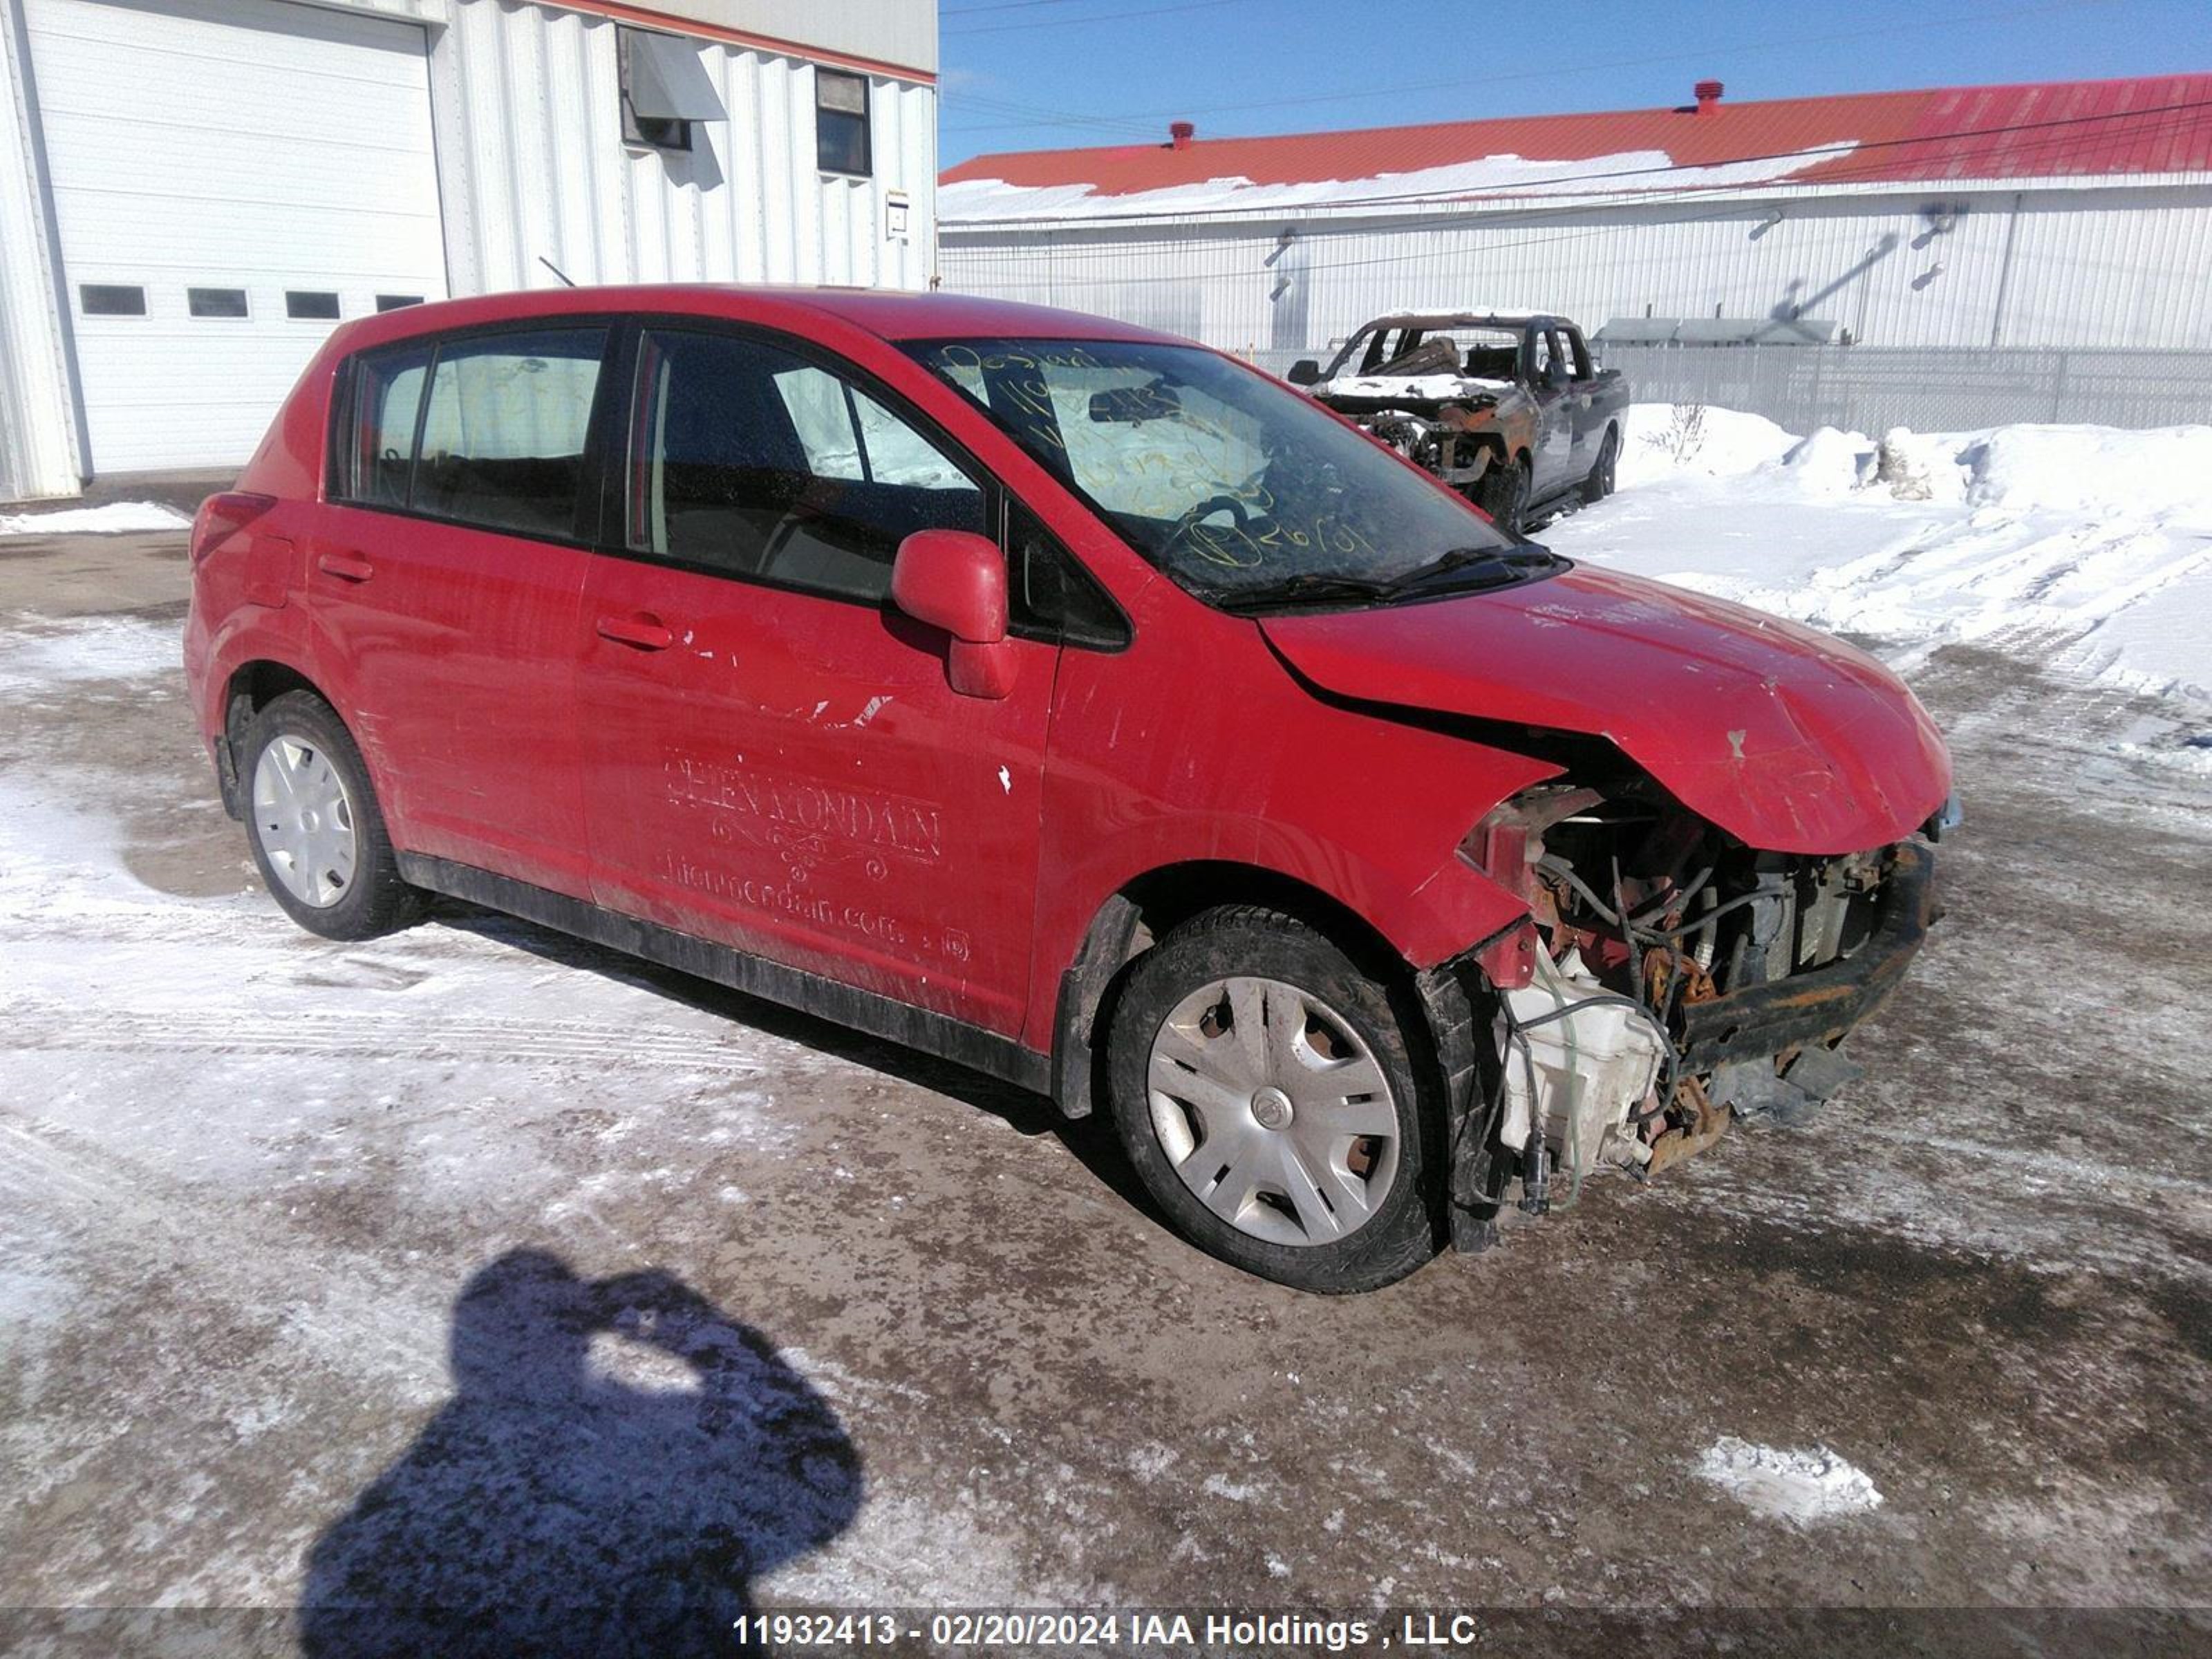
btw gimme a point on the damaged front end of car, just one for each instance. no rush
(1463, 429)
(1667, 979)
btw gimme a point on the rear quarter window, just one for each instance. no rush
(385, 399)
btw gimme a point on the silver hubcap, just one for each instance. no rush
(303, 818)
(1273, 1111)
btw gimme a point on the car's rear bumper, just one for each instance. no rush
(1818, 1006)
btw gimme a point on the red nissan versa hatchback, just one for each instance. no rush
(1077, 703)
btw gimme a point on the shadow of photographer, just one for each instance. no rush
(564, 1502)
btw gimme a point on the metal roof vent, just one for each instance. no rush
(1708, 96)
(1180, 133)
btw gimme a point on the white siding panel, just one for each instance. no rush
(530, 124)
(2098, 267)
(38, 427)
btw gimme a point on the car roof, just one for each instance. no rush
(1460, 319)
(887, 314)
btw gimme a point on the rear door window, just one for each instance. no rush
(748, 459)
(487, 431)
(504, 428)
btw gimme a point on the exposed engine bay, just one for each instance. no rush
(1458, 417)
(1668, 979)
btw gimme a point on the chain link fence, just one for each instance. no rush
(1934, 389)
(1873, 388)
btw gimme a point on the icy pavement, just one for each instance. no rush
(268, 1203)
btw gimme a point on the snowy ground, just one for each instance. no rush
(425, 1261)
(2081, 548)
(114, 519)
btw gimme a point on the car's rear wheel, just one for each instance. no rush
(1264, 1090)
(313, 823)
(1599, 482)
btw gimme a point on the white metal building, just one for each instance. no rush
(2077, 214)
(192, 191)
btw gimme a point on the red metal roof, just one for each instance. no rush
(2151, 125)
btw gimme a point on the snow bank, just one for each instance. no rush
(1832, 463)
(1660, 440)
(114, 519)
(2086, 549)
(2092, 469)
(1799, 1487)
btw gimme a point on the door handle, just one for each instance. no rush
(645, 631)
(346, 567)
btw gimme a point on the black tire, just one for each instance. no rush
(376, 899)
(1599, 484)
(1505, 495)
(1405, 1226)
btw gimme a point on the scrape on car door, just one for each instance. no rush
(773, 756)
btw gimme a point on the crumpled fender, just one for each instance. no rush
(1261, 776)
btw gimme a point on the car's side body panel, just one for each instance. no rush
(457, 651)
(795, 777)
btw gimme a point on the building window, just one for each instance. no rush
(665, 90)
(311, 307)
(841, 122)
(112, 300)
(397, 301)
(215, 301)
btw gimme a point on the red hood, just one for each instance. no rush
(1787, 739)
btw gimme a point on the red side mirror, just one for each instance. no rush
(957, 581)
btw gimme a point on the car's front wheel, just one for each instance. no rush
(312, 822)
(1264, 1090)
(1505, 494)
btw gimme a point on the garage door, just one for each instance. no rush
(229, 177)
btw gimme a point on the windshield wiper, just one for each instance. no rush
(1307, 587)
(1503, 564)
(1506, 562)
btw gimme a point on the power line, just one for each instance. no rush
(1096, 17)
(1001, 5)
(1809, 156)
(1134, 119)
(1105, 123)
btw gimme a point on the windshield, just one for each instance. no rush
(1241, 490)
(1478, 351)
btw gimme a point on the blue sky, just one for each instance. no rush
(1054, 74)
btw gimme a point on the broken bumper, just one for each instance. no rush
(1816, 1009)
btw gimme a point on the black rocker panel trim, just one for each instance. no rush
(864, 1010)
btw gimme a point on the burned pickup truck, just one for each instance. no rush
(1510, 411)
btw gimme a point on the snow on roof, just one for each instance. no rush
(2125, 128)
